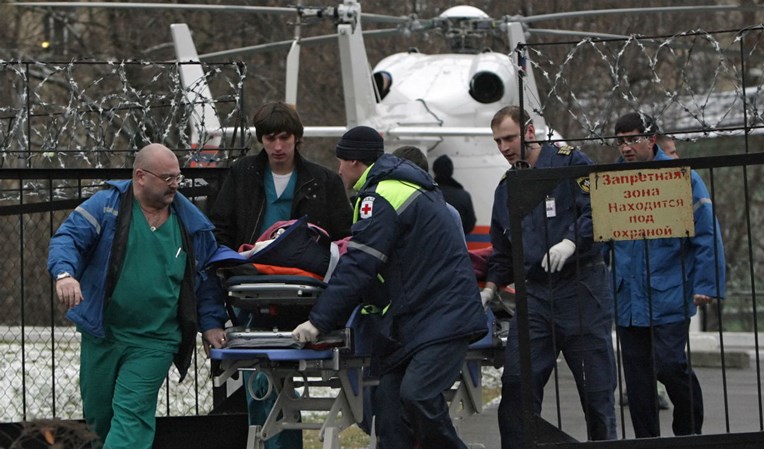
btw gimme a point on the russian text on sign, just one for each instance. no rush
(642, 204)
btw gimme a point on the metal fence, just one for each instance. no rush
(698, 91)
(40, 348)
(735, 414)
(64, 129)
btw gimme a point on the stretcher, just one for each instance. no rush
(336, 361)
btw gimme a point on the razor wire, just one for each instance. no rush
(695, 84)
(98, 114)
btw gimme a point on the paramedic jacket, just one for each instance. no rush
(402, 230)
(668, 283)
(98, 229)
(572, 220)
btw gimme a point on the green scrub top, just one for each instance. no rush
(143, 309)
(277, 208)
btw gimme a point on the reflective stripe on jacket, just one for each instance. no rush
(404, 232)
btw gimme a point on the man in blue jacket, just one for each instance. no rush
(569, 299)
(660, 312)
(399, 234)
(129, 263)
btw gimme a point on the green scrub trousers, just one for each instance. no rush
(119, 386)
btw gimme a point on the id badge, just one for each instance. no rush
(550, 207)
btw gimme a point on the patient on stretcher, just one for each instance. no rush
(273, 284)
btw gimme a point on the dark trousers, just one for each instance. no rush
(410, 409)
(672, 369)
(575, 318)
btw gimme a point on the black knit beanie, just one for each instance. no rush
(443, 167)
(360, 143)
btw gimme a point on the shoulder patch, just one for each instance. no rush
(366, 207)
(565, 150)
(584, 183)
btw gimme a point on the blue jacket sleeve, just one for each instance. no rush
(76, 237)
(580, 232)
(500, 265)
(708, 272)
(211, 311)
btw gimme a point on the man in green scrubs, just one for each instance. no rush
(130, 262)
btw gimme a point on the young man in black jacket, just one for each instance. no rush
(277, 184)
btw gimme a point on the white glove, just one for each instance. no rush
(559, 254)
(487, 294)
(306, 333)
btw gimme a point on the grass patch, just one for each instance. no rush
(490, 393)
(352, 437)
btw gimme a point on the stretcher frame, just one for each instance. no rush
(340, 368)
(313, 368)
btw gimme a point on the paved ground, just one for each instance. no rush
(736, 410)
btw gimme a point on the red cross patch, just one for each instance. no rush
(365, 210)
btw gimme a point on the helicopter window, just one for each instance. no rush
(486, 87)
(383, 81)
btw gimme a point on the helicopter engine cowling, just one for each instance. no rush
(491, 75)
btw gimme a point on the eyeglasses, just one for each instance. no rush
(168, 179)
(629, 141)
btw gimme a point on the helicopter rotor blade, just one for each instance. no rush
(575, 33)
(381, 18)
(411, 21)
(166, 6)
(261, 48)
(322, 12)
(644, 10)
(281, 45)
(383, 32)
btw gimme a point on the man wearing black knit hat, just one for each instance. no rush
(434, 310)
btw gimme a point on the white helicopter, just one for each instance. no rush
(440, 103)
(414, 99)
